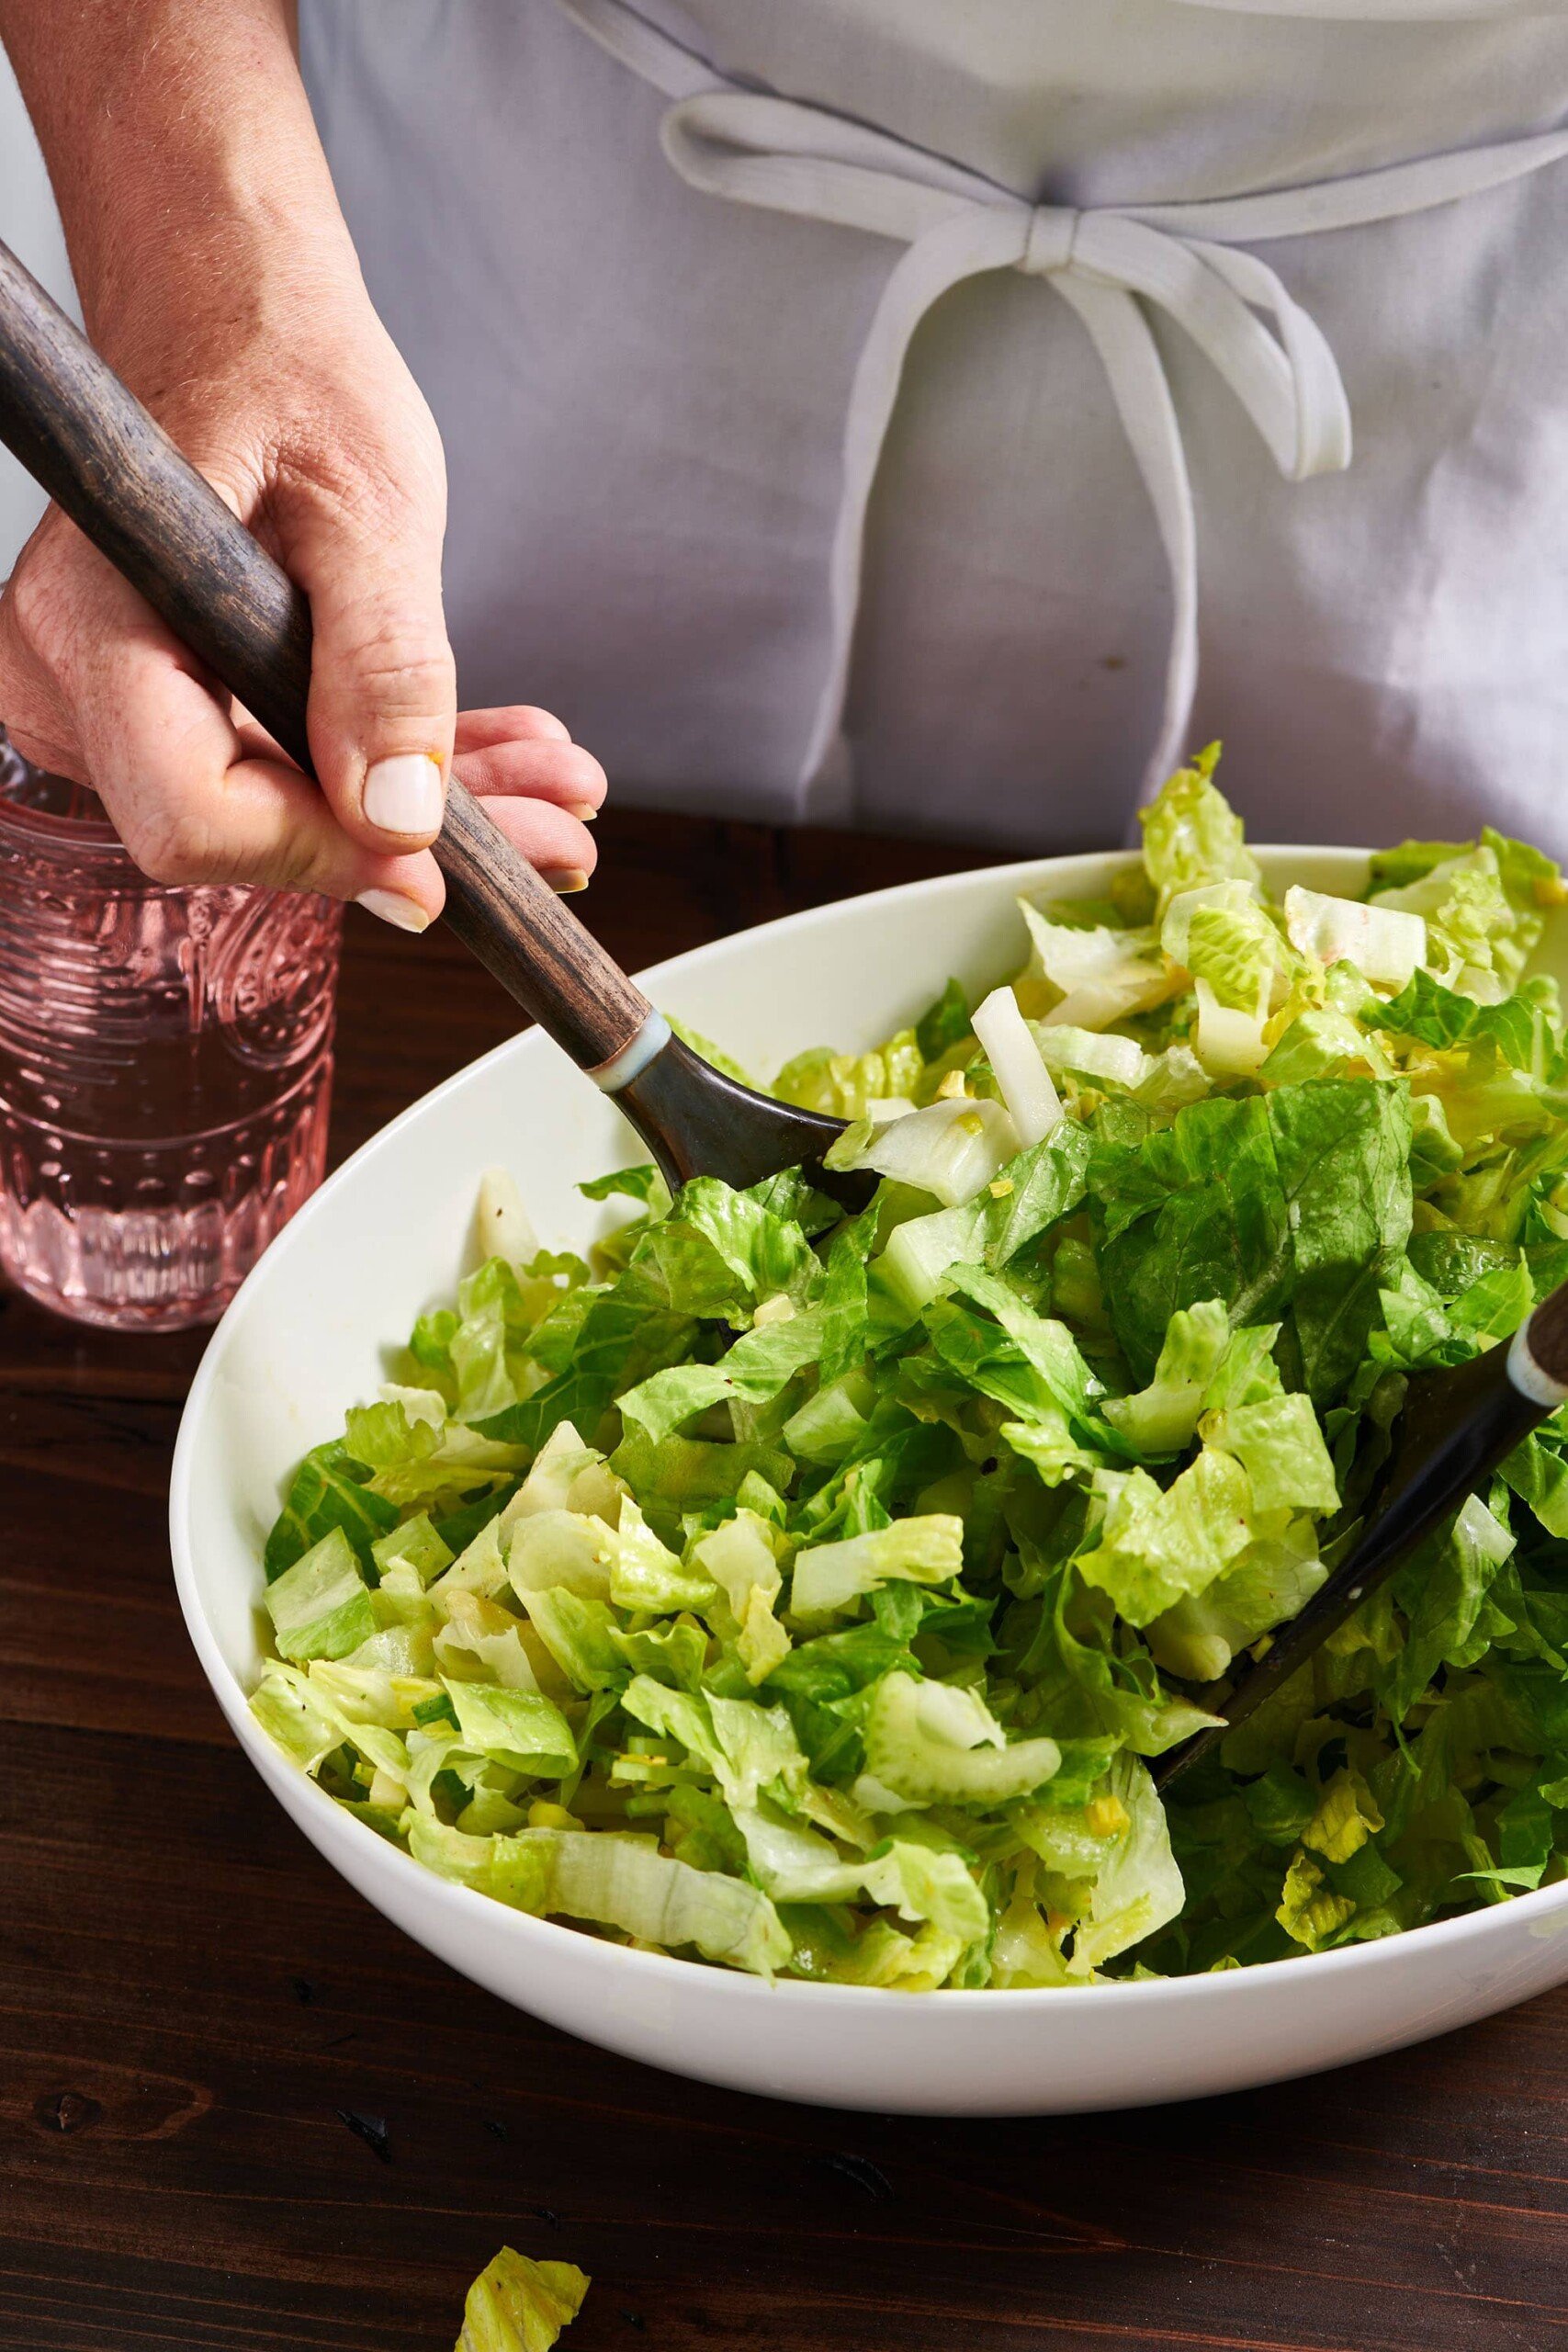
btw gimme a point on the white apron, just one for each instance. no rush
(939, 418)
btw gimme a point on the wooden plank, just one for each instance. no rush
(191, 2001)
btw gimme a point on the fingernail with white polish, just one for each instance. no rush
(391, 906)
(564, 879)
(403, 794)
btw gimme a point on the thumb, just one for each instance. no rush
(383, 685)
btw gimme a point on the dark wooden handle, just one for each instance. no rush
(116, 472)
(1548, 1334)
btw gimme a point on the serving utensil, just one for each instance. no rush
(94, 447)
(1458, 1424)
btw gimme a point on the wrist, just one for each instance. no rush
(251, 292)
(190, 179)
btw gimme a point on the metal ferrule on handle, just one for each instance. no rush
(632, 1060)
(1528, 1374)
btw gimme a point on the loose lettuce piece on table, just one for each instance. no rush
(517, 2305)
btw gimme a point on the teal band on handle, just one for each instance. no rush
(622, 1067)
(1530, 1378)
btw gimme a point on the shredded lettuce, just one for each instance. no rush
(1033, 1103)
(805, 1593)
(517, 2305)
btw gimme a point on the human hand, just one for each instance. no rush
(302, 415)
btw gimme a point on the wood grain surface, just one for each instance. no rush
(240, 2113)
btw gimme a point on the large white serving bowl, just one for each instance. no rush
(388, 1236)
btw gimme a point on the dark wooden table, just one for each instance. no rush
(239, 2112)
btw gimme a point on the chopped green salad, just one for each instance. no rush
(808, 1592)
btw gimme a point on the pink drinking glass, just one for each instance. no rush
(165, 1067)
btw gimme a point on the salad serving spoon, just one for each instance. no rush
(92, 446)
(1458, 1424)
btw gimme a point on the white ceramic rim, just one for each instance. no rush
(460, 1903)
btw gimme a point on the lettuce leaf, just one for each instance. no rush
(803, 1593)
(517, 2305)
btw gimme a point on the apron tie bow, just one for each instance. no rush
(1048, 248)
(1113, 264)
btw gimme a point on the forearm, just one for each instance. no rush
(217, 277)
(184, 161)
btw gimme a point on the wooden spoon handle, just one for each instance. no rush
(1545, 1337)
(115, 471)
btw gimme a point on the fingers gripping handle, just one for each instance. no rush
(92, 447)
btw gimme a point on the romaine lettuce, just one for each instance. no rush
(803, 1593)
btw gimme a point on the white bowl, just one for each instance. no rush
(387, 1234)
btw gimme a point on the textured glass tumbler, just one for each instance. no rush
(165, 1067)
